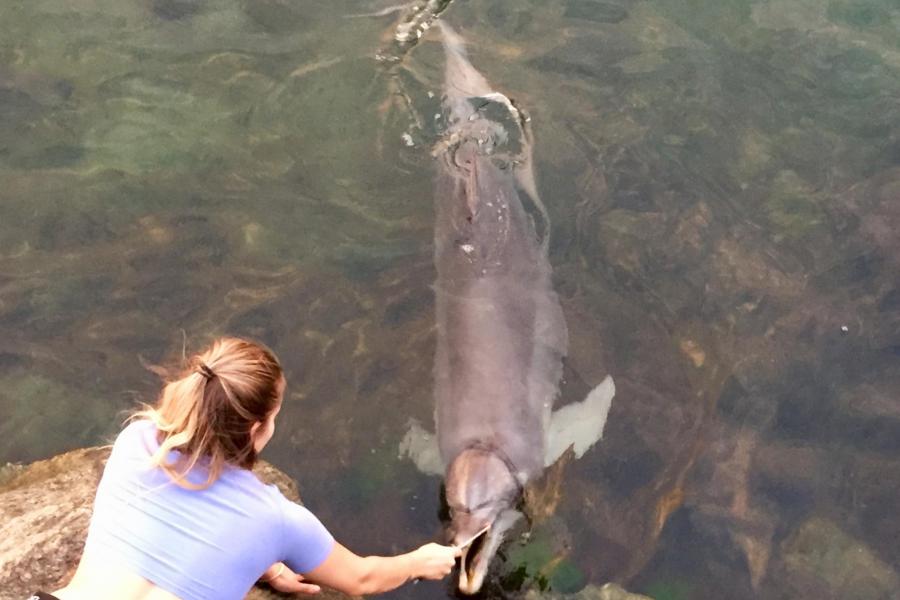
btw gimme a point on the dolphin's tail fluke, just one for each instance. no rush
(462, 79)
(452, 41)
(463, 82)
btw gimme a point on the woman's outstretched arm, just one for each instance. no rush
(357, 575)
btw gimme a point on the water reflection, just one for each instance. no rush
(723, 181)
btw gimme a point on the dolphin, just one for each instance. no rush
(501, 335)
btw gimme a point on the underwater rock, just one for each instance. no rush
(278, 16)
(587, 56)
(609, 591)
(175, 10)
(27, 134)
(627, 490)
(542, 560)
(873, 203)
(37, 413)
(593, 10)
(794, 208)
(725, 506)
(822, 561)
(16, 105)
(45, 508)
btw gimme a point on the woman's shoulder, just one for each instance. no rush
(249, 480)
(137, 434)
(240, 487)
(137, 428)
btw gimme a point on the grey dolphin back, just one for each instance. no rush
(501, 332)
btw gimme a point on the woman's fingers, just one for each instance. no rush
(305, 588)
(290, 582)
(292, 586)
(436, 560)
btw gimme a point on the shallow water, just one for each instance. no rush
(724, 184)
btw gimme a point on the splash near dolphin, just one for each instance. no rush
(501, 335)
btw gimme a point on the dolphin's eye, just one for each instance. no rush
(456, 508)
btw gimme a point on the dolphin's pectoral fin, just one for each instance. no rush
(542, 496)
(421, 447)
(580, 424)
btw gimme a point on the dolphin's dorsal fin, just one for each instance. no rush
(421, 447)
(580, 424)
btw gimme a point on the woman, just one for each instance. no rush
(179, 514)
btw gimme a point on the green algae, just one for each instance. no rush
(371, 475)
(540, 562)
(669, 590)
(756, 154)
(861, 13)
(794, 209)
(38, 413)
(821, 550)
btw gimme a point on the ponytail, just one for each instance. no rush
(207, 414)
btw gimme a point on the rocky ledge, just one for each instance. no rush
(44, 512)
(45, 508)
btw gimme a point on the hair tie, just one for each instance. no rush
(205, 371)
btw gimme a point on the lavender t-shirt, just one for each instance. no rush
(197, 544)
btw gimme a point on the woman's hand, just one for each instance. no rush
(359, 576)
(434, 561)
(281, 578)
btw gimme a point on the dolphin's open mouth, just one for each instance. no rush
(471, 554)
(473, 565)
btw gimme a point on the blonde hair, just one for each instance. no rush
(208, 412)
